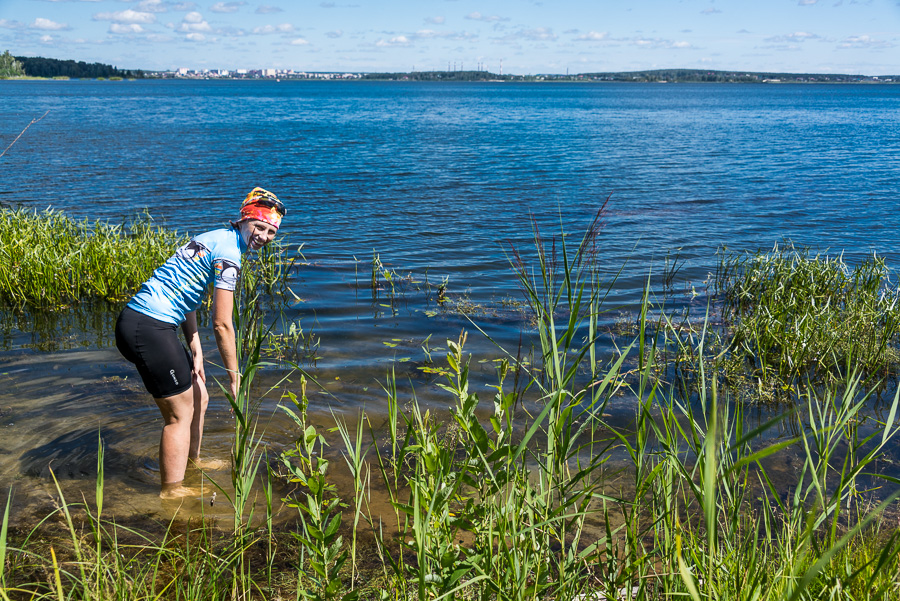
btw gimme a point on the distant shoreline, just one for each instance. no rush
(39, 67)
(533, 80)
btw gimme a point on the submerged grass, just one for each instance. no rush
(60, 277)
(795, 317)
(48, 259)
(519, 502)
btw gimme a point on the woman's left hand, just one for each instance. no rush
(199, 371)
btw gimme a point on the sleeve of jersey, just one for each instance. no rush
(227, 270)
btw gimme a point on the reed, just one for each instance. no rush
(796, 317)
(536, 495)
(49, 260)
(61, 276)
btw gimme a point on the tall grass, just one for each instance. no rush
(48, 259)
(796, 316)
(536, 495)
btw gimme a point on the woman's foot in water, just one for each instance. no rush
(177, 490)
(209, 465)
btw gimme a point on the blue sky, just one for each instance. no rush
(552, 36)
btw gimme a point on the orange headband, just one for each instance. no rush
(262, 205)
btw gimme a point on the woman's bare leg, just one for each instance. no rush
(201, 402)
(175, 442)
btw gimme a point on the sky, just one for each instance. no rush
(509, 36)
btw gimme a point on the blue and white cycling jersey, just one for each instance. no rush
(178, 286)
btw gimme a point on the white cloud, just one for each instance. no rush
(593, 36)
(11, 24)
(127, 16)
(863, 41)
(152, 6)
(797, 36)
(435, 20)
(226, 7)
(193, 23)
(125, 28)
(541, 34)
(270, 29)
(477, 16)
(46, 38)
(656, 43)
(806, 2)
(184, 6)
(430, 34)
(710, 11)
(195, 37)
(48, 25)
(267, 10)
(400, 40)
(299, 42)
(335, 34)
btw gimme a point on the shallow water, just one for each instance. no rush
(437, 179)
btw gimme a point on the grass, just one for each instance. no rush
(60, 275)
(49, 260)
(792, 319)
(528, 494)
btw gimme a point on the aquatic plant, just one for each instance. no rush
(534, 496)
(49, 260)
(795, 317)
(60, 277)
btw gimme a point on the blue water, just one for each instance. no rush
(438, 179)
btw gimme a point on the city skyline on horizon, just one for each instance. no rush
(526, 37)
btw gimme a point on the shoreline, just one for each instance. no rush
(439, 82)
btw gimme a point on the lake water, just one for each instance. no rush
(438, 180)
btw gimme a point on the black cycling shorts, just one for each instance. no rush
(153, 346)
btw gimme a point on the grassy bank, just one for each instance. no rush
(64, 279)
(528, 494)
(49, 260)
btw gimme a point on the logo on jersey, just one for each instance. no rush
(227, 274)
(192, 252)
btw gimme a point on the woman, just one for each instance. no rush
(146, 331)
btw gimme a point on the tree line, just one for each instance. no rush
(38, 66)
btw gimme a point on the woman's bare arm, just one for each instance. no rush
(189, 327)
(223, 326)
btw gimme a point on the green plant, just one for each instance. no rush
(48, 260)
(319, 508)
(796, 316)
(9, 66)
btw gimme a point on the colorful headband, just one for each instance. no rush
(262, 205)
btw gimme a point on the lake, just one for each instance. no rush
(440, 181)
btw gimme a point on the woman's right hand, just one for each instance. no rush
(235, 385)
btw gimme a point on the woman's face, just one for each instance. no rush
(257, 234)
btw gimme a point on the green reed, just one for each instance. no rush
(795, 316)
(48, 259)
(544, 498)
(62, 276)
